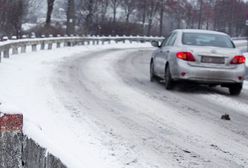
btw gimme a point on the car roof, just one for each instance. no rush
(199, 31)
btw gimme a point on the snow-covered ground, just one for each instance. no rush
(93, 106)
(26, 87)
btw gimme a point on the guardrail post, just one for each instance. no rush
(109, 41)
(58, 44)
(88, 41)
(23, 49)
(6, 52)
(68, 44)
(65, 43)
(103, 42)
(50, 46)
(15, 50)
(97, 42)
(0, 56)
(42, 46)
(34, 47)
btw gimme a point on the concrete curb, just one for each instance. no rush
(19, 151)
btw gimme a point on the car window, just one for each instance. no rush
(172, 40)
(204, 39)
(165, 40)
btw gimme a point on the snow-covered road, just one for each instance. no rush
(102, 106)
(142, 125)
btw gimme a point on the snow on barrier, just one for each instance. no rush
(19, 151)
(21, 45)
(17, 46)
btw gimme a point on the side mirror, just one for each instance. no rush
(155, 44)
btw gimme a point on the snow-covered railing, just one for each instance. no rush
(239, 38)
(17, 46)
(241, 44)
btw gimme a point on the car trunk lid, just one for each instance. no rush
(213, 57)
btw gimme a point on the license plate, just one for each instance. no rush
(214, 60)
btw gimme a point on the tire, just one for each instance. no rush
(152, 75)
(168, 79)
(235, 89)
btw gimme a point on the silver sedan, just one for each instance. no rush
(201, 56)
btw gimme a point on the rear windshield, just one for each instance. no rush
(204, 39)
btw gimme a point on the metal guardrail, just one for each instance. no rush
(43, 43)
(239, 38)
(49, 43)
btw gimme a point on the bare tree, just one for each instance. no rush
(151, 12)
(114, 4)
(161, 18)
(129, 7)
(50, 4)
(104, 4)
(70, 24)
(200, 14)
(11, 15)
(142, 6)
(142, 16)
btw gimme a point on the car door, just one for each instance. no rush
(157, 56)
(164, 53)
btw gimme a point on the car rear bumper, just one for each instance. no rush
(198, 74)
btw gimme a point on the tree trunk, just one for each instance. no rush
(161, 18)
(114, 11)
(230, 25)
(149, 27)
(144, 17)
(104, 7)
(70, 29)
(89, 17)
(50, 4)
(127, 17)
(200, 15)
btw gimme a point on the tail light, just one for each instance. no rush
(186, 56)
(240, 59)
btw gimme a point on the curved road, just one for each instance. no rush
(143, 125)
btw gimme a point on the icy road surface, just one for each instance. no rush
(142, 124)
(99, 109)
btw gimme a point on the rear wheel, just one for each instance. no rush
(235, 89)
(168, 79)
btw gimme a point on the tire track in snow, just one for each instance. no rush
(196, 100)
(141, 124)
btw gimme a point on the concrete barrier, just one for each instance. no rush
(19, 151)
(34, 156)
